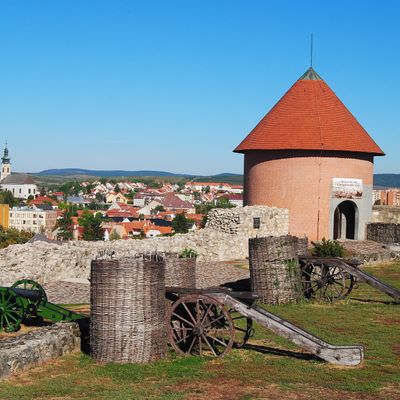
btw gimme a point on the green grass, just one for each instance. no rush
(273, 368)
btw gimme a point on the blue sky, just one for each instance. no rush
(176, 85)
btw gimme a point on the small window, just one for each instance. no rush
(256, 223)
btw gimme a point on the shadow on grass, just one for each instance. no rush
(388, 302)
(281, 353)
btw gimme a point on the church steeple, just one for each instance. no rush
(5, 164)
(5, 159)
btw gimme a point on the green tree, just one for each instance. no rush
(155, 184)
(117, 189)
(6, 197)
(91, 224)
(71, 209)
(71, 188)
(223, 202)
(181, 186)
(196, 195)
(130, 195)
(159, 208)
(65, 226)
(13, 236)
(93, 205)
(180, 224)
(100, 197)
(204, 208)
(89, 188)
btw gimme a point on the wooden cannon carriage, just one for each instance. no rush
(333, 278)
(199, 321)
(213, 320)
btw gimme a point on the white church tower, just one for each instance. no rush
(5, 164)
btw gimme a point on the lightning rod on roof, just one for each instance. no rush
(311, 55)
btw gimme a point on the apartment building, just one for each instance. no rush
(32, 219)
(389, 197)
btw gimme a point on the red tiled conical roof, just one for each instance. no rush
(309, 117)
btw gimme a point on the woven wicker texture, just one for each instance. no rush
(128, 309)
(302, 246)
(274, 269)
(180, 272)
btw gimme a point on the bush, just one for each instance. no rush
(188, 253)
(328, 248)
(13, 236)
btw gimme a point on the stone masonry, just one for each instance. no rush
(47, 262)
(386, 214)
(243, 221)
(25, 351)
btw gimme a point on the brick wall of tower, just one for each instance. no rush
(301, 181)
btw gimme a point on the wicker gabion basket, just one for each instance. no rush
(180, 272)
(302, 246)
(128, 309)
(274, 269)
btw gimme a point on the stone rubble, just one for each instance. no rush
(25, 351)
(47, 262)
(368, 251)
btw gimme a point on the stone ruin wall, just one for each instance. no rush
(225, 238)
(384, 226)
(386, 214)
(240, 220)
(22, 352)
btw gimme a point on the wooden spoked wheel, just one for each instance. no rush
(33, 305)
(11, 311)
(200, 325)
(325, 282)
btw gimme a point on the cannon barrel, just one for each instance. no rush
(33, 295)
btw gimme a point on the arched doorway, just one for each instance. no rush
(345, 221)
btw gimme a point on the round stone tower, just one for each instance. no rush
(310, 155)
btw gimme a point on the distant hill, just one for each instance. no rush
(106, 173)
(63, 174)
(386, 180)
(78, 173)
